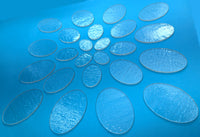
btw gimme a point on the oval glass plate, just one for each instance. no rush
(115, 111)
(170, 103)
(68, 112)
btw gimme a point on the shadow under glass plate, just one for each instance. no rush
(68, 112)
(22, 107)
(59, 80)
(123, 29)
(49, 25)
(154, 33)
(163, 60)
(170, 103)
(114, 111)
(37, 71)
(126, 72)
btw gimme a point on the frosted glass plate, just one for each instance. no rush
(102, 44)
(101, 57)
(49, 25)
(66, 54)
(82, 18)
(123, 48)
(83, 60)
(114, 111)
(163, 60)
(154, 33)
(126, 72)
(68, 112)
(37, 71)
(95, 32)
(69, 35)
(85, 45)
(153, 11)
(123, 29)
(59, 80)
(42, 48)
(114, 14)
(170, 103)
(91, 76)
(22, 107)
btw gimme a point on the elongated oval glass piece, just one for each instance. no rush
(69, 35)
(114, 14)
(170, 103)
(163, 60)
(123, 29)
(66, 54)
(59, 80)
(42, 48)
(102, 44)
(91, 76)
(101, 57)
(82, 18)
(153, 11)
(123, 48)
(83, 60)
(85, 45)
(115, 111)
(68, 112)
(49, 25)
(95, 32)
(126, 72)
(22, 107)
(154, 33)
(37, 71)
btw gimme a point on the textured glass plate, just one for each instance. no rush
(42, 48)
(114, 14)
(85, 45)
(153, 11)
(154, 33)
(126, 72)
(170, 103)
(101, 57)
(115, 111)
(123, 48)
(22, 107)
(59, 80)
(102, 44)
(82, 18)
(66, 54)
(163, 60)
(49, 25)
(95, 32)
(37, 71)
(69, 35)
(91, 76)
(68, 112)
(83, 60)
(123, 29)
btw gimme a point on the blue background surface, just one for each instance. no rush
(18, 29)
